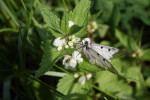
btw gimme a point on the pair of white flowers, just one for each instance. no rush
(82, 79)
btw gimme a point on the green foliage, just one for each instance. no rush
(87, 67)
(80, 13)
(146, 55)
(51, 20)
(112, 84)
(31, 66)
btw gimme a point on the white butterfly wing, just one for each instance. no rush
(99, 60)
(106, 51)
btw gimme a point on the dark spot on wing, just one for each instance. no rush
(109, 49)
(101, 47)
(97, 53)
(104, 59)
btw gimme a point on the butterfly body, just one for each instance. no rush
(98, 54)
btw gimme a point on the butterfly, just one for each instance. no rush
(99, 55)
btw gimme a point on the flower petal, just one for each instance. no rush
(82, 80)
(71, 23)
(56, 42)
(59, 48)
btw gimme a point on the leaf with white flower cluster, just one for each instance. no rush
(50, 57)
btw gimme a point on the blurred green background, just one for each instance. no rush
(122, 24)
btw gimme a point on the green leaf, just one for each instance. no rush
(135, 73)
(87, 67)
(68, 85)
(52, 20)
(75, 97)
(65, 22)
(56, 74)
(96, 15)
(146, 55)
(8, 29)
(50, 57)
(82, 32)
(110, 83)
(80, 13)
(139, 39)
(4, 6)
(115, 17)
(122, 38)
(102, 29)
(55, 33)
(147, 82)
(77, 31)
(107, 7)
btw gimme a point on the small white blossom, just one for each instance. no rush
(92, 27)
(71, 62)
(59, 48)
(66, 46)
(70, 43)
(71, 23)
(88, 76)
(58, 42)
(76, 75)
(82, 80)
(76, 55)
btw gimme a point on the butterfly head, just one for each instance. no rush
(83, 45)
(86, 42)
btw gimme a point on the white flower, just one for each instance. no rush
(77, 56)
(71, 62)
(71, 23)
(88, 76)
(59, 48)
(76, 75)
(58, 42)
(82, 80)
(66, 46)
(71, 65)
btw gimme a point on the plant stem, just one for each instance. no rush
(109, 95)
(62, 69)
(64, 2)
